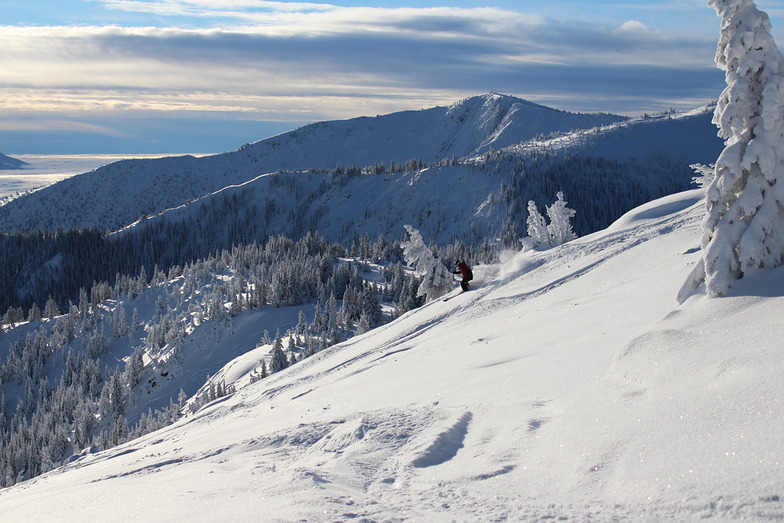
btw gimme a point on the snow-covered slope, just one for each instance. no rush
(687, 137)
(444, 202)
(471, 126)
(6, 162)
(448, 201)
(567, 385)
(116, 195)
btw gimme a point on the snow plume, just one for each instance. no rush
(745, 204)
(512, 264)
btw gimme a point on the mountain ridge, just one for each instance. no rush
(7, 162)
(116, 195)
(467, 191)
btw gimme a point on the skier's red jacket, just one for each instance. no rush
(465, 270)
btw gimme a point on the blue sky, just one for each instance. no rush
(151, 76)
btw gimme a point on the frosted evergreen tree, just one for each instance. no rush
(182, 399)
(557, 232)
(560, 227)
(119, 430)
(51, 310)
(416, 254)
(120, 322)
(34, 314)
(134, 367)
(742, 228)
(537, 229)
(278, 343)
(302, 323)
(318, 323)
(437, 278)
(84, 303)
(363, 325)
(371, 306)
(333, 316)
(279, 361)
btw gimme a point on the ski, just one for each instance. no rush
(453, 295)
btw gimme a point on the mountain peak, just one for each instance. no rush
(6, 162)
(494, 99)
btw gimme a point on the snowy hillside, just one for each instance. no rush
(6, 162)
(566, 385)
(118, 194)
(475, 199)
(686, 137)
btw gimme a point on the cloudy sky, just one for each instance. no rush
(149, 76)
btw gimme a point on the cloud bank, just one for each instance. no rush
(300, 62)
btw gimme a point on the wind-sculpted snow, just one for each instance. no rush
(567, 386)
(446, 445)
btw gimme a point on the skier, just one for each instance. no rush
(465, 270)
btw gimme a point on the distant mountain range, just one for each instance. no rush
(464, 171)
(6, 162)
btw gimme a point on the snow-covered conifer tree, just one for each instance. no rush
(560, 227)
(119, 430)
(51, 310)
(537, 229)
(134, 367)
(437, 281)
(34, 314)
(302, 323)
(363, 325)
(119, 322)
(279, 361)
(416, 254)
(558, 231)
(742, 230)
(437, 278)
(370, 304)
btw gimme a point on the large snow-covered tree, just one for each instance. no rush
(437, 279)
(742, 230)
(560, 227)
(537, 229)
(416, 253)
(558, 231)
